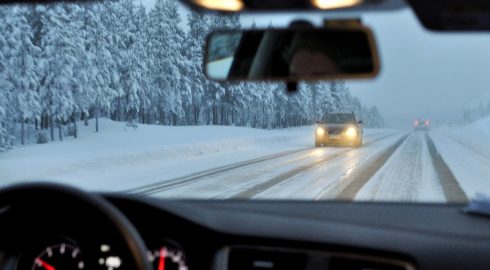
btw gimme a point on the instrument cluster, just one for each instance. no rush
(67, 254)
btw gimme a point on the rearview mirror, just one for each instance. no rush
(291, 54)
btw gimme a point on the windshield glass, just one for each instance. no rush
(338, 118)
(111, 96)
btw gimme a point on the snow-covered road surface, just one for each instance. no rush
(391, 166)
(240, 163)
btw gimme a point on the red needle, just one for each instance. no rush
(44, 264)
(161, 263)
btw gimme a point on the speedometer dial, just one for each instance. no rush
(60, 256)
(168, 258)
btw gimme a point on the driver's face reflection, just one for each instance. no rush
(311, 63)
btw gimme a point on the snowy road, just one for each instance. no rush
(390, 166)
(242, 163)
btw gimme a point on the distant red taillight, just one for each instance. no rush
(427, 123)
(416, 123)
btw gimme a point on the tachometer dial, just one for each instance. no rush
(59, 257)
(167, 258)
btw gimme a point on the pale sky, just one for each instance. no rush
(423, 73)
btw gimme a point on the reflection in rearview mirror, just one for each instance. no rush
(291, 54)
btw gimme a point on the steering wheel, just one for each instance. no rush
(27, 198)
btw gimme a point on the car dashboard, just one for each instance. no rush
(239, 235)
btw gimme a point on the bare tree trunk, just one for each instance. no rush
(44, 124)
(85, 119)
(97, 119)
(196, 115)
(51, 127)
(120, 116)
(22, 132)
(60, 133)
(28, 135)
(215, 115)
(75, 129)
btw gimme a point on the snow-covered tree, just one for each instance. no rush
(166, 40)
(198, 27)
(6, 88)
(22, 70)
(61, 48)
(61, 63)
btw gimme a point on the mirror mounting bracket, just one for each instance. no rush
(301, 24)
(291, 87)
(351, 22)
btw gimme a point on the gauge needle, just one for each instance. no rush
(44, 264)
(161, 263)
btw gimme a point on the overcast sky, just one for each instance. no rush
(423, 73)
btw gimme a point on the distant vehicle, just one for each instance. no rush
(421, 124)
(339, 128)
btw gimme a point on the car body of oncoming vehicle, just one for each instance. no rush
(421, 124)
(339, 128)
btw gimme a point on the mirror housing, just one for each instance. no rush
(360, 122)
(291, 5)
(291, 54)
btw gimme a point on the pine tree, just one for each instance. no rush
(194, 43)
(61, 49)
(142, 53)
(166, 41)
(6, 87)
(23, 70)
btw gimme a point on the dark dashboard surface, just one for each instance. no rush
(429, 236)
(247, 235)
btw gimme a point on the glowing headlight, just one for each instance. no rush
(222, 5)
(320, 131)
(351, 132)
(333, 4)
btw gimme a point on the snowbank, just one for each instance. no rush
(475, 136)
(466, 150)
(119, 155)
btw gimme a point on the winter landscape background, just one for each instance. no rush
(65, 63)
(110, 96)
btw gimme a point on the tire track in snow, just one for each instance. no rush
(261, 187)
(170, 183)
(450, 185)
(408, 176)
(192, 178)
(360, 179)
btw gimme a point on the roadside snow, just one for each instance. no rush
(120, 157)
(474, 136)
(466, 150)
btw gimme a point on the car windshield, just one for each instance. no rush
(112, 96)
(338, 118)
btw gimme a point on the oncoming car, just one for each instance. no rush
(421, 124)
(339, 128)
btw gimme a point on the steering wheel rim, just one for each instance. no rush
(134, 244)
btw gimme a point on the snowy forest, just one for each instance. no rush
(475, 113)
(64, 65)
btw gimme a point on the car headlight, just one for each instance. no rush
(320, 131)
(351, 132)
